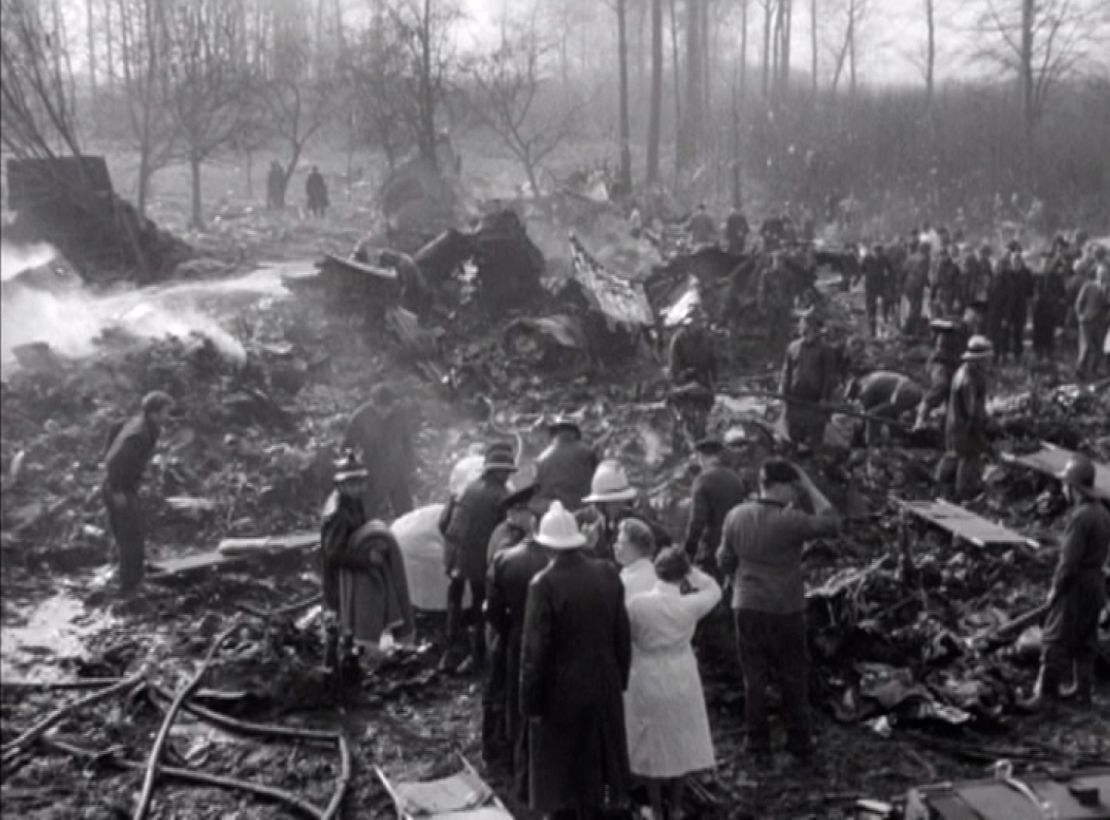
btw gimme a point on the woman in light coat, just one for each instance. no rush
(665, 716)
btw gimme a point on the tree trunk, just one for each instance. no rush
(427, 136)
(145, 174)
(930, 55)
(767, 11)
(90, 35)
(852, 52)
(813, 48)
(677, 89)
(655, 116)
(744, 50)
(109, 47)
(788, 22)
(196, 221)
(1028, 88)
(624, 178)
(691, 131)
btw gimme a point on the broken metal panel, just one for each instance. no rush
(1051, 460)
(462, 795)
(963, 523)
(1080, 794)
(233, 551)
(618, 298)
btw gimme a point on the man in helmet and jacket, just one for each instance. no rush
(1078, 594)
(959, 472)
(614, 499)
(693, 369)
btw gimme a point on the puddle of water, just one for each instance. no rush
(55, 629)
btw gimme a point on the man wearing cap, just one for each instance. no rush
(575, 661)
(565, 468)
(520, 509)
(978, 272)
(809, 376)
(701, 227)
(1078, 590)
(343, 515)
(876, 284)
(467, 524)
(693, 368)
(1092, 309)
(613, 499)
(761, 547)
(130, 448)
(959, 472)
(510, 572)
(379, 433)
(950, 341)
(1014, 288)
(716, 490)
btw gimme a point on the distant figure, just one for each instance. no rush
(1092, 307)
(130, 447)
(565, 469)
(960, 472)
(635, 223)
(809, 377)
(736, 231)
(275, 187)
(701, 227)
(317, 192)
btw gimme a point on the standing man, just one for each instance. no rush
(701, 227)
(564, 470)
(510, 572)
(467, 525)
(379, 432)
(1015, 291)
(613, 500)
(275, 181)
(945, 284)
(1049, 298)
(876, 284)
(130, 449)
(914, 282)
(693, 367)
(736, 231)
(1092, 308)
(950, 342)
(959, 472)
(775, 298)
(761, 546)
(809, 377)
(575, 662)
(1078, 590)
(316, 191)
(716, 490)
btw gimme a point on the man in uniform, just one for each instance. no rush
(130, 448)
(945, 284)
(876, 284)
(761, 547)
(692, 365)
(1078, 590)
(564, 470)
(701, 227)
(467, 525)
(379, 432)
(716, 490)
(1014, 288)
(613, 499)
(950, 342)
(343, 515)
(959, 472)
(736, 231)
(1092, 308)
(809, 377)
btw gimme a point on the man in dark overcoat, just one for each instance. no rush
(575, 661)
(564, 470)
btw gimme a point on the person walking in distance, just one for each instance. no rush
(130, 448)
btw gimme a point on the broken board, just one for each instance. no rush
(241, 550)
(963, 523)
(1051, 460)
(462, 795)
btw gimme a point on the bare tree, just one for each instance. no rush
(624, 176)
(692, 127)
(37, 111)
(374, 69)
(1041, 43)
(844, 50)
(209, 88)
(424, 28)
(655, 115)
(510, 86)
(768, 15)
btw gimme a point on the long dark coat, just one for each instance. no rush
(575, 662)
(1079, 590)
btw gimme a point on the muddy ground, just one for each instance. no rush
(891, 654)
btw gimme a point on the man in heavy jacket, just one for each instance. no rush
(1092, 309)
(467, 524)
(761, 546)
(950, 342)
(876, 284)
(1078, 590)
(716, 490)
(379, 432)
(702, 228)
(1049, 299)
(1013, 292)
(693, 370)
(316, 192)
(343, 515)
(809, 376)
(775, 299)
(736, 231)
(959, 472)
(944, 286)
(130, 448)
(913, 285)
(510, 572)
(575, 661)
(565, 468)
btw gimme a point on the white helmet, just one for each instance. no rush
(610, 484)
(558, 529)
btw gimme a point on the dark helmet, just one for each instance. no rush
(1079, 472)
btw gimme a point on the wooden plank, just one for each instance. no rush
(1051, 459)
(263, 549)
(963, 523)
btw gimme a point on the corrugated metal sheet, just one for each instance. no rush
(964, 523)
(618, 298)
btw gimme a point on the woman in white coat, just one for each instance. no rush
(665, 716)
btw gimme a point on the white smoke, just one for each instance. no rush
(70, 317)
